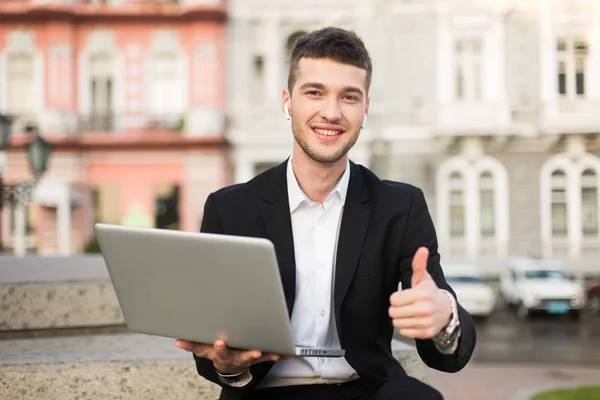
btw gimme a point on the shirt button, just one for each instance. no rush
(322, 313)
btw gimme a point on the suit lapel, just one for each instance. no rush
(278, 223)
(353, 229)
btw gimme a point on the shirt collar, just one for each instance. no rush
(296, 195)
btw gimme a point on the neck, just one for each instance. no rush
(316, 179)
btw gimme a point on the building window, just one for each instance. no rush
(258, 81)
(562, 78)
(457, 206)
(166, 84)
(290, 43)
(20, 80)
(572, 56)
(101, 91)
(589, 203)
(486, 205)
(559, 204)
(106, 202)
(468, 69)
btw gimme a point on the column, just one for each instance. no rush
(241, 71)
(19, 244)
(502, 204)
(63, 216)
(495, 91)
(442, 217)
(444, 55)
(273, 61)
(574, 210)
(547, 64)
(472, 224)
(244, 171)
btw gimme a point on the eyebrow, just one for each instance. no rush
(317, 85)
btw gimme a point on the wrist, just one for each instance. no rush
(229, 372)
(238, 380)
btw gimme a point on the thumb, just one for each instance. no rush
(419, 266)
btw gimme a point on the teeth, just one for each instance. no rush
(326, 132)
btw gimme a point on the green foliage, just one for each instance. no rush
(92, 246)
(581, 393)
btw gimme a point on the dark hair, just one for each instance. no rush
(333, 43)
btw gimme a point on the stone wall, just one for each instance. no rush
(62, 337)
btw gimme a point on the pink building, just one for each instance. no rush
(131, 95)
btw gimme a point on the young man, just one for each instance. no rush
(344, 241)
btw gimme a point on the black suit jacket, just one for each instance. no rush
(383, 224)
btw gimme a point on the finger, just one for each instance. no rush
(184, 344)
(248, 358)
(419, 266)
(418, 309)
(405, 297)
(221, 353)
(200, 349)
(418, 333)
(268, 357)
(413, 323)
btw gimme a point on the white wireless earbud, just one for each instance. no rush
(364, 122)
(286, 110)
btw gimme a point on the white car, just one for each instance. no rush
(476, 296)
(533, 285)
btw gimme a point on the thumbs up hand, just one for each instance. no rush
(422, 311)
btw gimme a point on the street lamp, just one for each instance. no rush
(38, 154)
(5, 131)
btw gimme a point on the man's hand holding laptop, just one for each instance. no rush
(227, 360)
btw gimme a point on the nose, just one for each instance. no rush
(331, 110)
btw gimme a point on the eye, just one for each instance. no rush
(351, 98)
(313, 93)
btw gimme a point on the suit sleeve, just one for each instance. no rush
(212, 224)
(420, 231)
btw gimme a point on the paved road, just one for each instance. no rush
(483, 381)
(543, 339)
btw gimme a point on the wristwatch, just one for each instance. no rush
(446, 341)
(240, 379)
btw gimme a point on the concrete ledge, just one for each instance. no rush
(50, 293)
(53, 305)
(131, 380)
(119, 366)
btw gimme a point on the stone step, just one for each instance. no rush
(55, 293)
(117, 366)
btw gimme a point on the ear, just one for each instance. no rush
(285, 99)
(364, 122)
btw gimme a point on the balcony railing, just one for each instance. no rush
(128, 122)
(97, 122)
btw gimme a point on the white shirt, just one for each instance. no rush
(315, 230)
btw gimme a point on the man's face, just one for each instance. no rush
(328, 103)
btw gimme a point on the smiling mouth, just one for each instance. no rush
(327, 132)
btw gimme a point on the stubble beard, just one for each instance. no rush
(314, 154)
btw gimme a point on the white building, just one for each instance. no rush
(492, 107)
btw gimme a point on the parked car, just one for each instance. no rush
(476, 296)
(537, 285)
(593, 297)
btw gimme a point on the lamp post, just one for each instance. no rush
(38, 152)
(5, 131)
(38, 155)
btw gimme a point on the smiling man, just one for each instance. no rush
(345, 240)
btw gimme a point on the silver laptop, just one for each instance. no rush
(200, 287)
